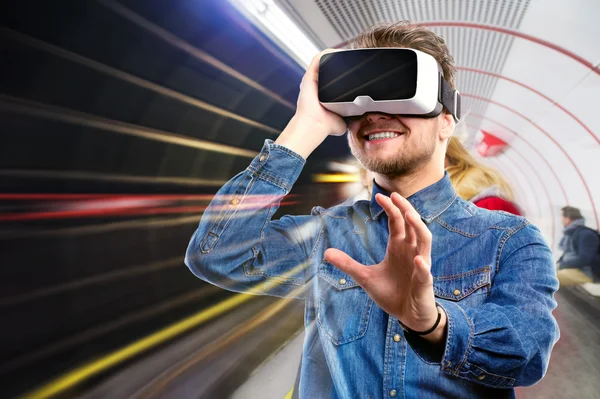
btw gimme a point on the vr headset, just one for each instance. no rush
(399, 81)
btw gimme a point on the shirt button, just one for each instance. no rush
(234, 201)
(481, 377)
(393, 393)
(262, 158)
(397, 337)
(456, 292)
(342, 281)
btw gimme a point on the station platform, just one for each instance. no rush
(572, 374)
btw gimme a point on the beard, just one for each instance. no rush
(405, 162)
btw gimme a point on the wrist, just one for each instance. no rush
(435, 331)
(438, 336)
(302, 136)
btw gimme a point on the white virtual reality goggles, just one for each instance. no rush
(399, 81)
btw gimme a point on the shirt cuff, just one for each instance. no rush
(459, 343)
(278, 165)
(459, 337)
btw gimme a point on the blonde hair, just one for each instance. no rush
(408, 35)
(470, 177)
(366, 178)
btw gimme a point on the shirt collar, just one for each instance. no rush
(430, 202)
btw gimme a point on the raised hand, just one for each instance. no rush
(402, 284)
(308, 105)
(312, 123)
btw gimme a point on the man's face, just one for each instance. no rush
(566, 221)
(411, 147)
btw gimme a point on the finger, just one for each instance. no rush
(312, 72)
(402, 203)
(395, 219)
(345, 263)
(398, 201)
(411, 236)
(422, 275)
(422, 232)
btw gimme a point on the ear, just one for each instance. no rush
(447, 125)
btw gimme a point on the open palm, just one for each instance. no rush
(401, 284)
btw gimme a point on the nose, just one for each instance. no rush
(376, 116)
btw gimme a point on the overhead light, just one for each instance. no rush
(271, 19)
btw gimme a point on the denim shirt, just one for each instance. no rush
(493, 275)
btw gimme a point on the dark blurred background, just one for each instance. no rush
(120, 119)
(93, 103)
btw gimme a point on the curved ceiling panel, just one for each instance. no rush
(529, 73)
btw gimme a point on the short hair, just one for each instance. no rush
(571, 213)
(408, 35)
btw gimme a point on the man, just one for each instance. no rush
(579, 245)
(415, 293)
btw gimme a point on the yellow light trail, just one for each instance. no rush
(83, 373)
(41, 110)
(101, 330)
(159, 385)
(113, 178)
(335, 178)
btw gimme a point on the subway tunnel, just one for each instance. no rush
(120, 120)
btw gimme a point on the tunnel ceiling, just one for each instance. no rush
(195, 73)
(528, 72)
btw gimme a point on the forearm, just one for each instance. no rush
(430, 347)
(302, 136)
(500, 346)
(508, 339)
(505, 341)
(438, 336)
(233, 246)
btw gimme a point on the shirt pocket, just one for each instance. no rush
(343, 306)
(470, 288)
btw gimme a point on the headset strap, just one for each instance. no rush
(450, 98)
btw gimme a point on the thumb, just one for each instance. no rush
(345, 263)
(422, 273)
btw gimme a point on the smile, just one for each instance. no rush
(383, 135)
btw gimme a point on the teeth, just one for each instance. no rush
(383, 135)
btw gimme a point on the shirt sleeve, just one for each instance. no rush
(238, 246)
(505, 342)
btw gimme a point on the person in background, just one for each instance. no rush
(477, 183)
(580, 246)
